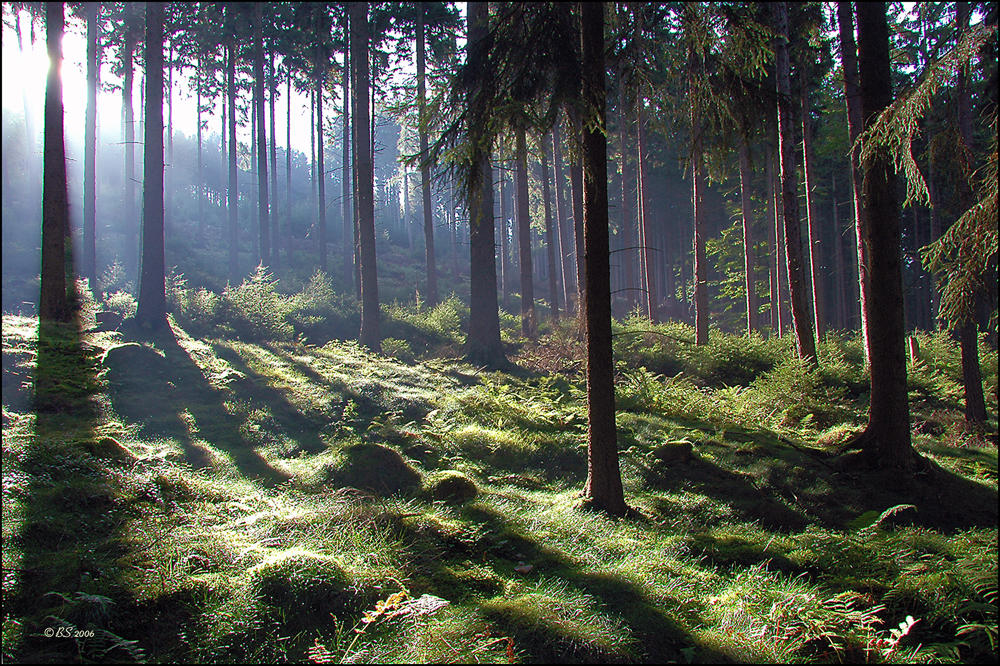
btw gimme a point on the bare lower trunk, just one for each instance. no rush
(813, 223)
(550, 248)
(52, 303)
(645, 233)
(346, 209)
(263, 216)
(320, 176)
(562, 223)
(528, 322)
(90, 151)
(234, 193)
(273, 200)
(431, 297)
(748, 267)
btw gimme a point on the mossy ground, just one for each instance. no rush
(218, 500)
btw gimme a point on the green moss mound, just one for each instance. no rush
(377, 469)
(304, 583)
(451, 486)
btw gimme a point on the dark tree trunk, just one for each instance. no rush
(168, 206)
(774, 267)
(369, 336)
(645, 233)
(748, 267)
(200, 189)
(852, 95)
(814, 240)
(131, 256)
(550, 248)
(431, 297)
(505, 277)
(562, 223)
(483, 344)
(576, 189)
(152, 310)
(972, 380)
(886, 440)
(258, 80)
(346, 209)
(273, 192)
(288, 167)
(52, 302)
(603, 489)
(90, 151)
(701, 315)
(628, 216)
(804, 341)
(840, 281)
(320, 173)
(234, 192)
(528, 321)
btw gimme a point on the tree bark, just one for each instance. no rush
(431, 296)
(320, 173)
(234, 192)
(774, 267)
(852, 95)
(528, 321)
(748, 267)
(644, 222)
(90, 151)
(273, 191)
(576, 190)
(152, 309)
(814, 239)
(131, 226)
(52, 302)
(346, 209)
(701, 315)
(550, 248)
(369, 335)
(561, 222)
(200, 189)
(505, 277)
(886, 440)
(628, 216)
(603, 489)
(483, 343)
(288, 168)
(804, 341)
(258, 76)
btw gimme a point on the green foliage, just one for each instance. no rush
(121, 302)
(255, 310)
(320, 314)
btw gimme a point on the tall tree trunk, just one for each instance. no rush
(369, 336)
(431, 297)
(200, 189)
(804, 341)
(550, 248)
(562, 223)
(628, 216)
(30, 139)
(288, 167)
(90, 151)
(263, 217)
(813, 224)
(972, 381)
(152, 310)
(603, 489)
(52, 302)
(505, 277)
(483, 343)
(774, 267)
(168, 206)
(320, 172)
(748, 267)
(701, 315)
(273, 192)
(852, 95)
(886, 439)
(234, 192)
(346, 212)
(576, 190)
(645, 233)
(131, 256)
(528, 321)
(840, 281)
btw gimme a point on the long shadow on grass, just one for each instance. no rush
(159, 391)
(68, 537)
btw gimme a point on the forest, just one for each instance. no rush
(511, 332)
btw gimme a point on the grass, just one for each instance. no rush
(214, 498)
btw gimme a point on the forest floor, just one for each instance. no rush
(210, 499)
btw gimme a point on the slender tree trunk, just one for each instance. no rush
(645, 232)
(200, 189)
(972, 381)
(815, 248)
(628, 217)
(152, 310)
(90, 151)
(52, 302)
(320, 172)
(701, 315)
(288, 167)
(852, 95)
(561, 214)
(234, 192)
(576, 190)
(273, 192)
(774, 267)
(431, 297)
(886, 440)
(840, 280)
(30, 139)
(550, 248)
(804, 341)
(483, 344)
(346, 212)
(528, 320)
(603, 489)
(748, 267)
(504, 250)
(168, 207)
(131, 256)
(369, 335)
(258, 76)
